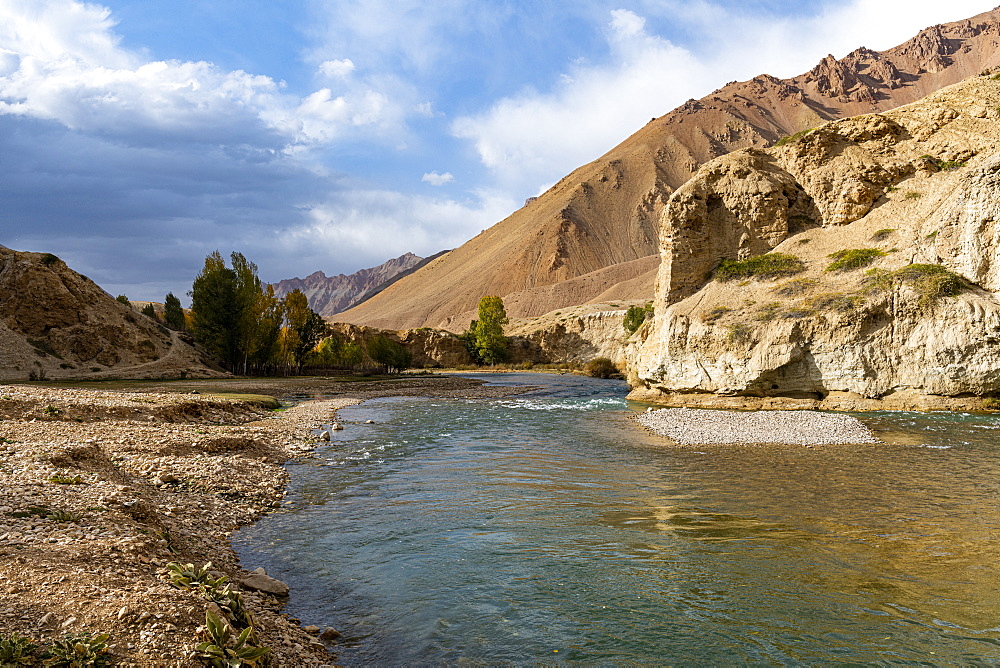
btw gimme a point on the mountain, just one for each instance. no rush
(56, 323)
(594, 235)
(329, 295)
(882, 289)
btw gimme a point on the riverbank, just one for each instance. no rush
(103, 488)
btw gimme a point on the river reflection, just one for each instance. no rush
(551, 527)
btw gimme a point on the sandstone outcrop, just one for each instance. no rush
(55, 323)
(607, 213)
(916, 190)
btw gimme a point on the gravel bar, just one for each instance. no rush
(691, 426)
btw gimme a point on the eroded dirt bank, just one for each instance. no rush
(101, 489)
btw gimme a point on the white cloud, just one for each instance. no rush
(61, 60)
(538, 136)
(436, 179)
(337, 69)
(370, 226)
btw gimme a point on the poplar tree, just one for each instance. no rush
(491, 344)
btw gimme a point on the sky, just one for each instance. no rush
(137, 137)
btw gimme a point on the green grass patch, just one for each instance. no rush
(930, 281)
(768, 312)
(792, 138)
(768, 266)
(853, 258)
(883, 234)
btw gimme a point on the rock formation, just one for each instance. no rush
(329, 295)
(583, 237)
(914, 193)
(55, 323)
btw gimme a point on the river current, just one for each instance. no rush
(549, 527)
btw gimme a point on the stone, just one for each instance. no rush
(325, 436)
(329, 634)
(312, 629)
(336, 426)
(260, 581)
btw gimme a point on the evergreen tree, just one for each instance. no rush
(173, 314)
(150, 312)
(214, 311)
(488, 330)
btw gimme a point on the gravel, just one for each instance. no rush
(691, 426)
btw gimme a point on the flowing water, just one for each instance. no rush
(548, 527)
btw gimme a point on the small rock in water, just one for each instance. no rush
(325, 436)
(369, 421)
(336, 426)
(329, 633)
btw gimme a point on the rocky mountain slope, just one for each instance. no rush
(329, 295)
(884, 292)
(55, 323)
(604, 216)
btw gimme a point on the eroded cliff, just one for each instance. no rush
(908, 201)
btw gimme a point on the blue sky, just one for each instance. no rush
(136, 137)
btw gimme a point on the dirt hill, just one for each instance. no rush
(884, 294)
(329, 295)
(56, 323)
(607, 213)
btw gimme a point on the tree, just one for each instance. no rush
(149, 311)
(173, 314)
(305, 327)
(390, 354)
(491, 344)
(635, 316)
(215, 313)
(124, 300)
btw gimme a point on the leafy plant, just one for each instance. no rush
(635, 316)
(16, 650)
(224, 650)
(768, 266)
(51, 410)
(853, 258)
(64, 516)
(186, 576)
(78, 650)
(991, 403)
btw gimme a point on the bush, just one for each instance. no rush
(854, 258)
(883, 234)
(48, 259)
(80, 649)
(635, 316)
(794, 287)
(768, 266)
(17, 650)
(600, 367)
(929, 281)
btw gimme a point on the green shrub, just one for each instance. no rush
(794, 287)
(737, 333)
(635, 316)
(64, 516)
(991, 403)
(600, 367)
(854, 258)
(48, 259)
(78, 650)
(930, 281)
(768, 266)
(948, 165)
(912, 195)
(67, 480)
(883, 234)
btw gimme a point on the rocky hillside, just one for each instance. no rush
(592, 234)
(55, 323)
(329, 295)
(856, 265)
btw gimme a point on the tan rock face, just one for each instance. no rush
(894, 182)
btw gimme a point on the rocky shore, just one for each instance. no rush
(101, 490)
(689, 426)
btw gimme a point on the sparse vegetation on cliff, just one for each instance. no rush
(930, 281)
(635, 316)
(768, 266)
(853, 258)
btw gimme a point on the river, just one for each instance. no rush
(548, 527)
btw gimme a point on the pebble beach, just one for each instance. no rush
(691, 426)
